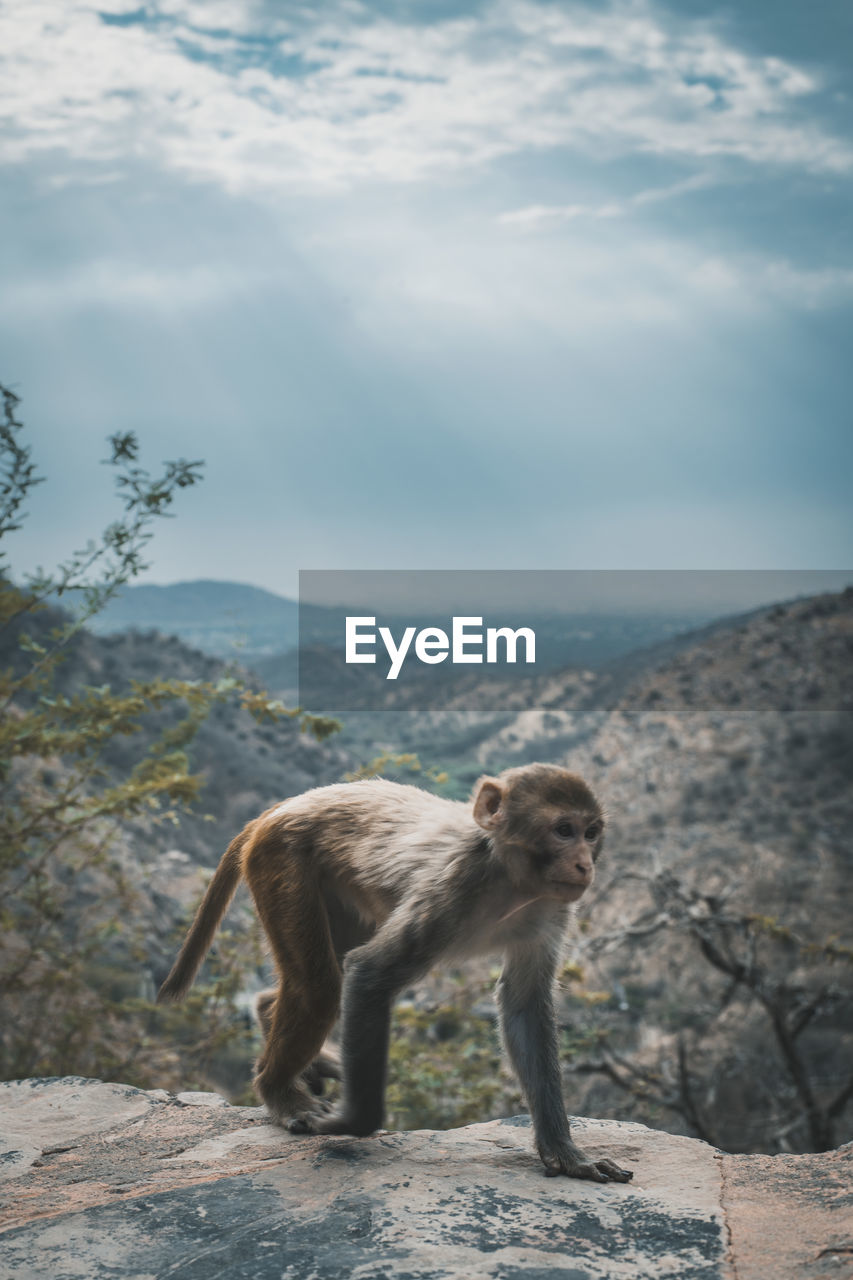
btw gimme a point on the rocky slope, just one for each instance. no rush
(729, 772)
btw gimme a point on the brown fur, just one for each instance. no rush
(362, 886)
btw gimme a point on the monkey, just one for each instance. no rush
(361, 887)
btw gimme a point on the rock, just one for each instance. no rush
(103, 1180)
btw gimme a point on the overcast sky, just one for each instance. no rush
(508, 284)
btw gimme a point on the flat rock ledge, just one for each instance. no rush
(104, 1180)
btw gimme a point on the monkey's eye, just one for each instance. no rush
(592, 832)
(565, 829)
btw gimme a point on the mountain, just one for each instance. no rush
(223, 619)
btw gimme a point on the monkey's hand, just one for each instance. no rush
(571, 1161)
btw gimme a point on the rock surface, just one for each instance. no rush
(104, 1180)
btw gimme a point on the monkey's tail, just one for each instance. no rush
(214, 904)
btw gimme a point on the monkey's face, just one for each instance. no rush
(564, 859)
(546, 824)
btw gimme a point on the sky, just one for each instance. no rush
(508, 284)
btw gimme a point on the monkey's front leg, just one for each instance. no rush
(368, 994)
(530, 1033)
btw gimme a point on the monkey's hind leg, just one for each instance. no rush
(298, 1016)
(327, 1064)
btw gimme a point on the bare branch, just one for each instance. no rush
(806, 1014)
(604, 942)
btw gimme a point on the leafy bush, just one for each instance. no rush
(73, 942)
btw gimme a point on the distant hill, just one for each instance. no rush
(223, 619)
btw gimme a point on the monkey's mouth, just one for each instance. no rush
(570, 888)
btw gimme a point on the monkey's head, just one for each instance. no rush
(546, 826)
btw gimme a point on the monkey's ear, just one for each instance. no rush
(488, 799)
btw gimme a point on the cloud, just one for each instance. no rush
(534, 216)
(338, 96)
(108, 283)
(773, 281)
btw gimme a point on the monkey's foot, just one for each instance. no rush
(333, 1122)
(572, 1162)
(284, 1098)
(284, 1113)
